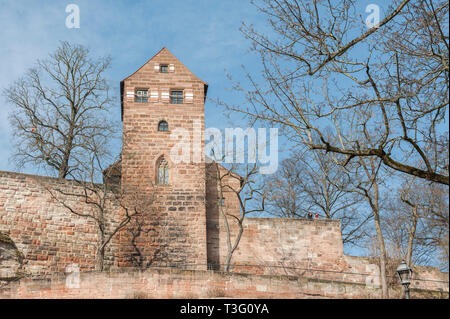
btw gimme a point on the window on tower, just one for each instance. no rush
(164, 68)
(176, 97)
(163, 126)
(163, 172)
(141, 96)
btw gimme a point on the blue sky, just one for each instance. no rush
(203, 34)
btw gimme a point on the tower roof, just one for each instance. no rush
(163, 50)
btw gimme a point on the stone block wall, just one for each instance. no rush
(297, 247)
(287, 246)
(312, 249)
(163, 283)
(216, 237)
(49, 237)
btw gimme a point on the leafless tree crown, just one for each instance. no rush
(324, 69)
(60, 110)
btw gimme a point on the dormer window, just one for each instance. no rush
(176, 97)
(141, 96)
(164, 68)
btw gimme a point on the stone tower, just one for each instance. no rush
(163, 117)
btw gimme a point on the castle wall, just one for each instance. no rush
(216, 241)
(312, 249)
(268, 245)
(173, 283)
(49, 236)
(295, 247)
(282, 245)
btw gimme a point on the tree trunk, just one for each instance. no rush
(228, 262)
(380, 240)
(62, 172)
(64, 168)
(232, 249)
(412, 234)
(99, 258)
(381, 246)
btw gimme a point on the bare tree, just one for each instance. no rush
(412, 229)
(312, 181)
(416, 223)
(283, 191)
(110, 206)
(434, 218)
(322, 65)
(249, 196)
(367, 181)
(400, 229)
(61, 108)
(401, 226)
(407, 197)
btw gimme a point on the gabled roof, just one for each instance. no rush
(164, 49)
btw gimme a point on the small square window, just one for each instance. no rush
(141, 96)
(176, 97)
(164, 68)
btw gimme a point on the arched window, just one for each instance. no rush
(163, 172)
(163, 126)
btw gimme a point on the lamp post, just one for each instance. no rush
(404, 274)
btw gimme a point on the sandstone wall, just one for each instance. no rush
(11, 259)
(429, 278)
(216, 241)
(49, 236)
(313, 249)
(163, 283)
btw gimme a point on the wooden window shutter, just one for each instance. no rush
(156, 67)
(165, 95)
(188, 96)
(130, 94)
(154, 95)
(171, 68)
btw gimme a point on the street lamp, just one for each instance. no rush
(404, 274)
